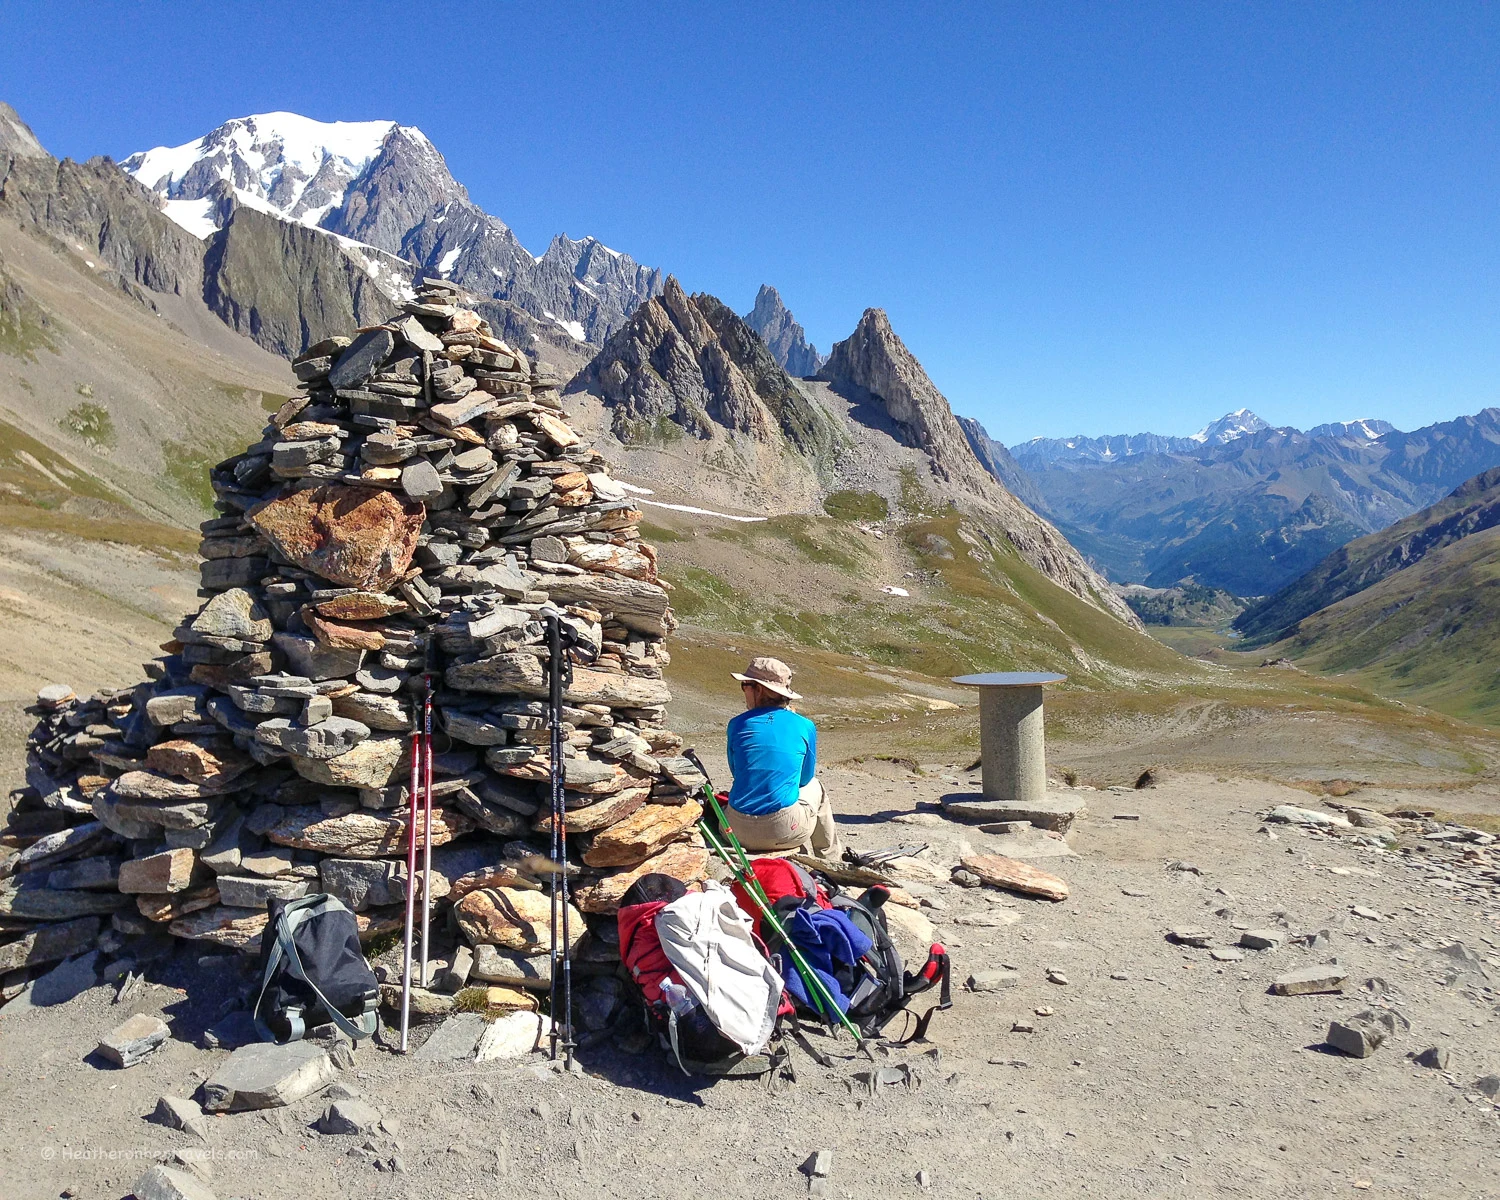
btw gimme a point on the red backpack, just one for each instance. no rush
(786, 885)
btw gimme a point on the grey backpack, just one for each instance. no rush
(313, 972)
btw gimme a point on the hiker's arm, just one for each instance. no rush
(810, 761)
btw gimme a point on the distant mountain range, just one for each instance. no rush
(1229, 428)
(1242, 505)
(383, 185)
(286, 231)
(1413, 610)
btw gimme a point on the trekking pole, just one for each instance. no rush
(558, 842)
(817, 990)
(411, 879)
(427, 810)
(561, 674)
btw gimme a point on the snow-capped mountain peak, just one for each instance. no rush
(287, 164)
(1366, 429)
(1240, 423)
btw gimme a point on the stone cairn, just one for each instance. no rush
(409, 511)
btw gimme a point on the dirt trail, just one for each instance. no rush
(1183, 1078)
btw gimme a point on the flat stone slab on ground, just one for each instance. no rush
(1309, 981)
(264, 1075)
(1263, 939)
(1014, 876)
(1057, 815)
(454, 1039)
(993, 981)
(132, 1040)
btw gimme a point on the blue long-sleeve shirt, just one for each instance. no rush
(773, 753)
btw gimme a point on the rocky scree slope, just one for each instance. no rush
(888, 388)
(1472, 508)
(387, 186)
(691, 392)
(119, 386)
(687, 376)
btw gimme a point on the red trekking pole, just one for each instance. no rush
(411, 879)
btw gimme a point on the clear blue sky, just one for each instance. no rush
(1081, 217)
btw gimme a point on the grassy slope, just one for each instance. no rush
(874, 669)
(1426, 633)
(109, 414)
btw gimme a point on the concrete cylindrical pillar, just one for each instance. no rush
(1012, 744)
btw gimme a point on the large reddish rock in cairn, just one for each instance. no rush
(404, 517)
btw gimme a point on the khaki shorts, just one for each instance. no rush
(806, 826)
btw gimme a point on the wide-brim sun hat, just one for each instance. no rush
(771, 674)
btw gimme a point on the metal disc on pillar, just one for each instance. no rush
(1012, 743)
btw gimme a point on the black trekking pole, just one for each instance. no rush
(559, 669)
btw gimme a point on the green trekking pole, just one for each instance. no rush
(745, 875)
(816, 989)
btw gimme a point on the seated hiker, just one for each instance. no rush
(776, 803)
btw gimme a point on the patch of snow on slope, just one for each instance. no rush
(196, 216)
(574, 329)
(388, 272)
(702, 512)
(446, 263)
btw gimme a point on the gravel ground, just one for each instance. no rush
(1155, 1071)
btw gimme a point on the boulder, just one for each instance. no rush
(361, 834)
(324, 740)
(361, 359)
(363, 883)
(170, 871)
(369, 765)
(513, 919)
(129, 1042)
(358, 537)
(233, 614)
(198, 760)
(178, 1112)
(641, 834)
(680, 860)
(169, 1183)
(264, 1075)
(454, 1039)
(495, 965)
(50, 943)
(523, 673)
(350, 1116)
(514, 1035)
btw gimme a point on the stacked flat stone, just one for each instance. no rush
(403, 519)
